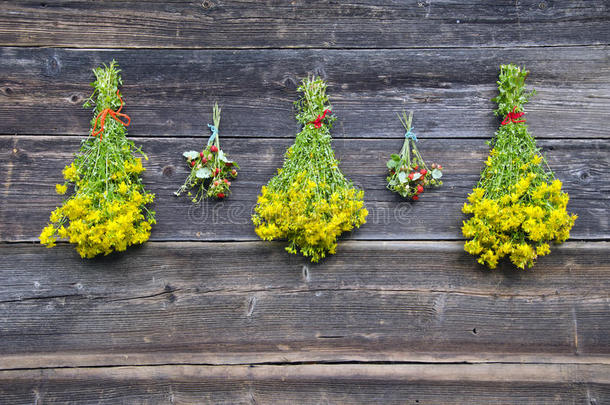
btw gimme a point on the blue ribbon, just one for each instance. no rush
(214, 134)
(410, 135)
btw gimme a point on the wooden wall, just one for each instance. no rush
(207, 313)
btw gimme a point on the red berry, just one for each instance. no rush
(234, 172)
(216, 183)
(204, 160)
(225, 180)
(200, 154)
(423, 172)
(213, 149)
(434, 165)
(440, 167)
(216, 171)
(410, 176)
(415, 197)
(220, 195)
(420, 189)
(229, 164)
(192, 163)
(416, 167)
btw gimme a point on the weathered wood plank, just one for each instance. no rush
(221, 302)
(33, 165)
(318, 24)
(170, 93)
(312, 384)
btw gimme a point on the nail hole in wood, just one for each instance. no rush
(474, 331)
(168, 171)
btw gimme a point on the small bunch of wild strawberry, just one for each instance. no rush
(409, 174)
(210, 168)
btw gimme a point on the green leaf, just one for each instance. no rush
(395, 157)
(203, 173)
(437, 174)
(191, 154)
(416, 176)
(392, 164)
(402, 177)
(393, 182)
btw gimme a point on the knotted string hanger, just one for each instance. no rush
(114, 114)
(214, 134)
(411, 135)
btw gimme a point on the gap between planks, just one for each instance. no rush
(556, 373)
(68, 360)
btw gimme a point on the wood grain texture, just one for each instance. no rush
(382, 301)
(312, 384)
(34, 165)
(171, 93)
(207, 313)
(318, 24)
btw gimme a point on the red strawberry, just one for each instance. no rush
(440, 167)
(220, 195)
(213, 149)
(423, 172)
(216, 183)
(234, 172)
(217, 171)
(226, 180)
(410, 176)
(204, 160)
(229, 164)
(200, 154)
(192, 163)
(415, 197)
(420, 189)
(416, 167)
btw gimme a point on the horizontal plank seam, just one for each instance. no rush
(312, 47)
(233, 137)
(303, 363)
(199, 241)
(549, 295)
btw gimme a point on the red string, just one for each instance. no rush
(318, 121)
(512, 117)
(113, 114)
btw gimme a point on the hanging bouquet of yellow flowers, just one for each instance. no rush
(309, 202)
(518, 206)
(107, 210)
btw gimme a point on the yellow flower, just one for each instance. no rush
(61, 188)
(123, 189)
(69, 172)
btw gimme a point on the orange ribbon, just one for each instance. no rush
(114, 114)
